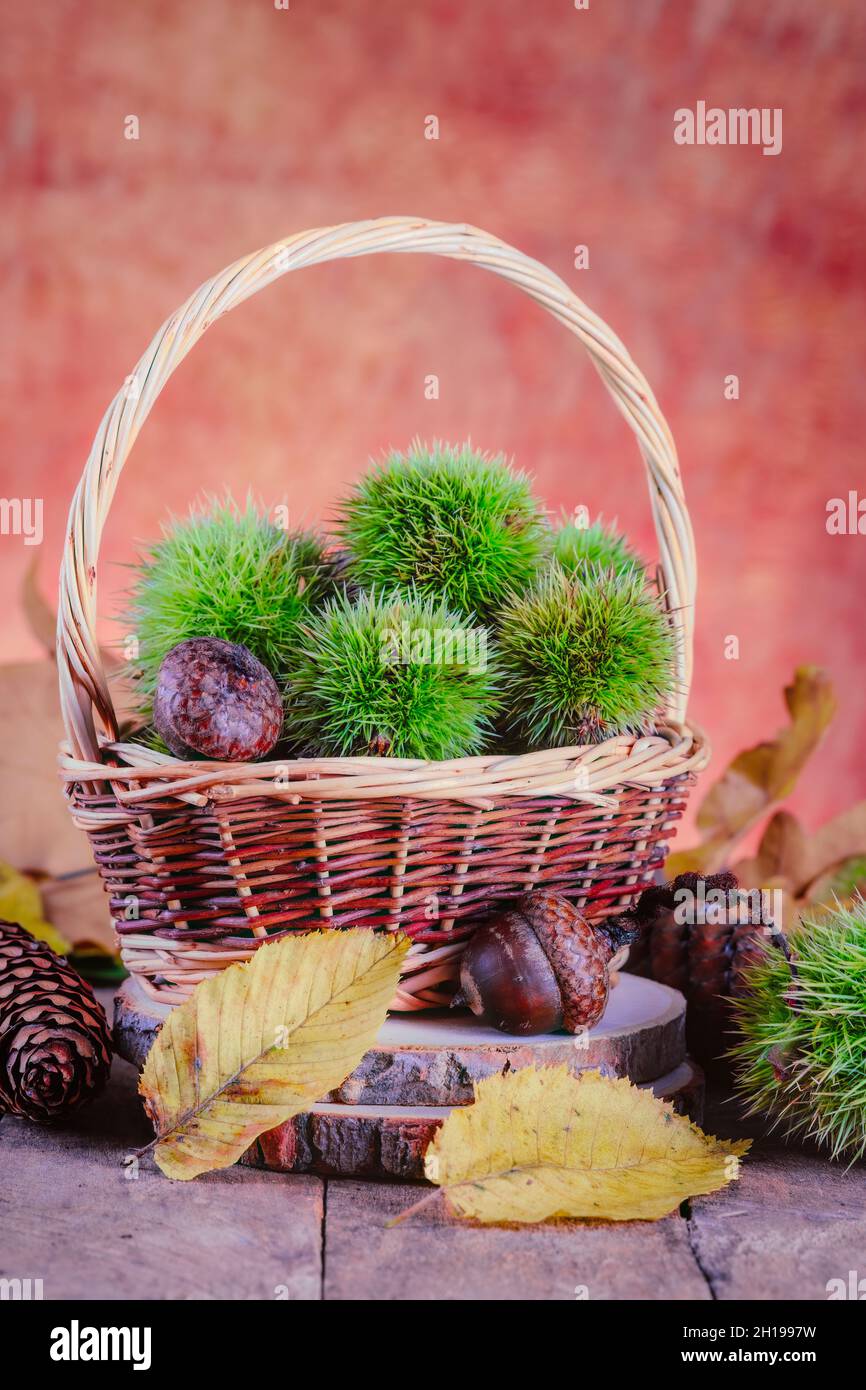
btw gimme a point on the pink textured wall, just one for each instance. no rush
(556, 128)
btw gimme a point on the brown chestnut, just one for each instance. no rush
(215, 700)
(540, 966)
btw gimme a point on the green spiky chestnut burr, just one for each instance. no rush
(585, 657)
(395, 675)
(449, 522)
(595, 547)
(229, 573)
(800, 1054)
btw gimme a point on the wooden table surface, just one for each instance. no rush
(73, 1214)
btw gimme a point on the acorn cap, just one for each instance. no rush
(578, 954)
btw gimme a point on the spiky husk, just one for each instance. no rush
(395, 675)
(584, 657)
(597, 547)
(800, 1057)
(450, 522)
(226, 572)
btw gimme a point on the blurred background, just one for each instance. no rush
(555, 130)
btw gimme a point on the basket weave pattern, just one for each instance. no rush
(204, 861)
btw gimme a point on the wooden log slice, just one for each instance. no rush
(435, 1059)
(389, 1141)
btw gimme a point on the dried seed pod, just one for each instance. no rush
(214, 699)
(540, 966)
(701, 946)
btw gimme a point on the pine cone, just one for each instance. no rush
(55, 1048)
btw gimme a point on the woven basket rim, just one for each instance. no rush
(590, 773)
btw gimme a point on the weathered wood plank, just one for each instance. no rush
(433, 1256)
(72, 1215)
(792, 1223)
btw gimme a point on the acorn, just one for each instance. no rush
(215, 700)
(541, 966)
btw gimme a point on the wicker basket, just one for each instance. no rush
(204, 861)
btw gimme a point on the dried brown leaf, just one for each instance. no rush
(760, 776)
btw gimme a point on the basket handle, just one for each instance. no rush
(83, 685)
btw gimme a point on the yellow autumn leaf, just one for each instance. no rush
(540, 1143)
(263, 1041)
(21, 901)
